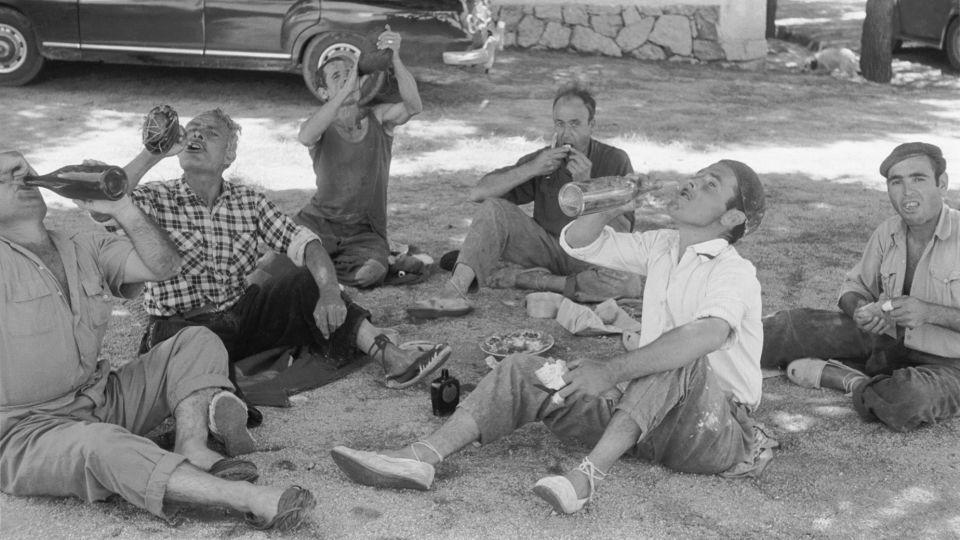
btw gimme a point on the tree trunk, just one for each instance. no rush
(771, 19)
(876, 41)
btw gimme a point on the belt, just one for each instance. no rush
(209, 307)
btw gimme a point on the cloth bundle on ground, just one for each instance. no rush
(607, 318)
(408, 266)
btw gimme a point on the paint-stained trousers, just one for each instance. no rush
(688, 423)
(94, 448)
(907, 388)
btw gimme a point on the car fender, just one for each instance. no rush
(300, 20)
(52, 22)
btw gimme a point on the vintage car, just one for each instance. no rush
(930, 22)
(270, 35)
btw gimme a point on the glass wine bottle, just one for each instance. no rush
(599, 194)
(88, 182)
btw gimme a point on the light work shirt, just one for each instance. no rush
(709, 279)
(880, 273)
(49, 348)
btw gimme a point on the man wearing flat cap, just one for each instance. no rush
(900, 320)
(683, 398)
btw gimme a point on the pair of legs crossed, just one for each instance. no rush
(904, 388)
(501, 231)
(678, 418)
(279, 312)
(93, 447)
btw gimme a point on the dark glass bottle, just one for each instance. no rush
(89, 182)
(444, 394)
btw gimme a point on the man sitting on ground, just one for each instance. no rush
(69, 426)
(351, 149)
(501, 231)
(218, 227)
(900, 319)
(699, 358)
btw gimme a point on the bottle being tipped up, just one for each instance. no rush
(599, 194)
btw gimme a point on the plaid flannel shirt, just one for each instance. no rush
(219, 246)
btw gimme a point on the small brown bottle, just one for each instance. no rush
(444, 394)
(88, 182)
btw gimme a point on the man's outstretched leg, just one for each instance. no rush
(510, 396)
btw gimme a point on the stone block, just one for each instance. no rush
(608, 24)
(650, 11)
(588, 41)
(648, 51)
(707, 50)
(681, 9)
(575, 15)
(510, 39)
(709, 13)
(635, 35)
(555, 36)
(549, 13)
(595, 9)
(529, 31)
(673, 33)
(706, 29)
(528, 10)
(511, 16)
(631, 15)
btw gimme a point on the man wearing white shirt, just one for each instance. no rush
(682, 399)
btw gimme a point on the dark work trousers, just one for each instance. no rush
(277, 313)
(907, 388)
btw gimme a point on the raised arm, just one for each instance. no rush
(499, 182)
(155, 256)
(396, 114)
(314, 127)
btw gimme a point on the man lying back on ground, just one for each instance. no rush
(219, 227)
(682, 399)
(71, 426)
(502, 232)
(900, 308)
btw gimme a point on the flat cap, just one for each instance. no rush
(912, 149)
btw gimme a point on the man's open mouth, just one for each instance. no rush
(911, 205)
(194, 146)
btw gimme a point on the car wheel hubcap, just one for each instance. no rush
(13, 49)
(338, 49)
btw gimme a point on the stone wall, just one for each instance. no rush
(696, 31)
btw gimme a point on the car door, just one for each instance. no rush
(925, 19)
(142, 27)
(246, 28)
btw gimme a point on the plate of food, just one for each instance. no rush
(519, 341)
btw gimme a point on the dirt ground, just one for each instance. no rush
(816, 141)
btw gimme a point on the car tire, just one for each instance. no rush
(320, 48)
(952, 44)
(20, 59)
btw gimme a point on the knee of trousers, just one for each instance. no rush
(898, 402)
(493, 210)
(195, 348)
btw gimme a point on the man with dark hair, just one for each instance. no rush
(899, 323)
(71, 426)
(683, 398)
(351, 148)
(501, 231)
(219, 228)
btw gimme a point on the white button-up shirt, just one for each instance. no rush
(709, 279)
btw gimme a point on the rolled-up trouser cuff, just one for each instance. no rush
(159, 479)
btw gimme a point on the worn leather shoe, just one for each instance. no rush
(377, 470)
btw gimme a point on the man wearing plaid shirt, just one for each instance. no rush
(218, 227)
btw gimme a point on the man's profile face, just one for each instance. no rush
(913, 190)
(704, 196)
(207, 145)
(572, 124)
(18, 200)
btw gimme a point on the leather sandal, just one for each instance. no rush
(234, 469)
(228, 422)
(808, 372)
(294, 505)
(418, 370)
